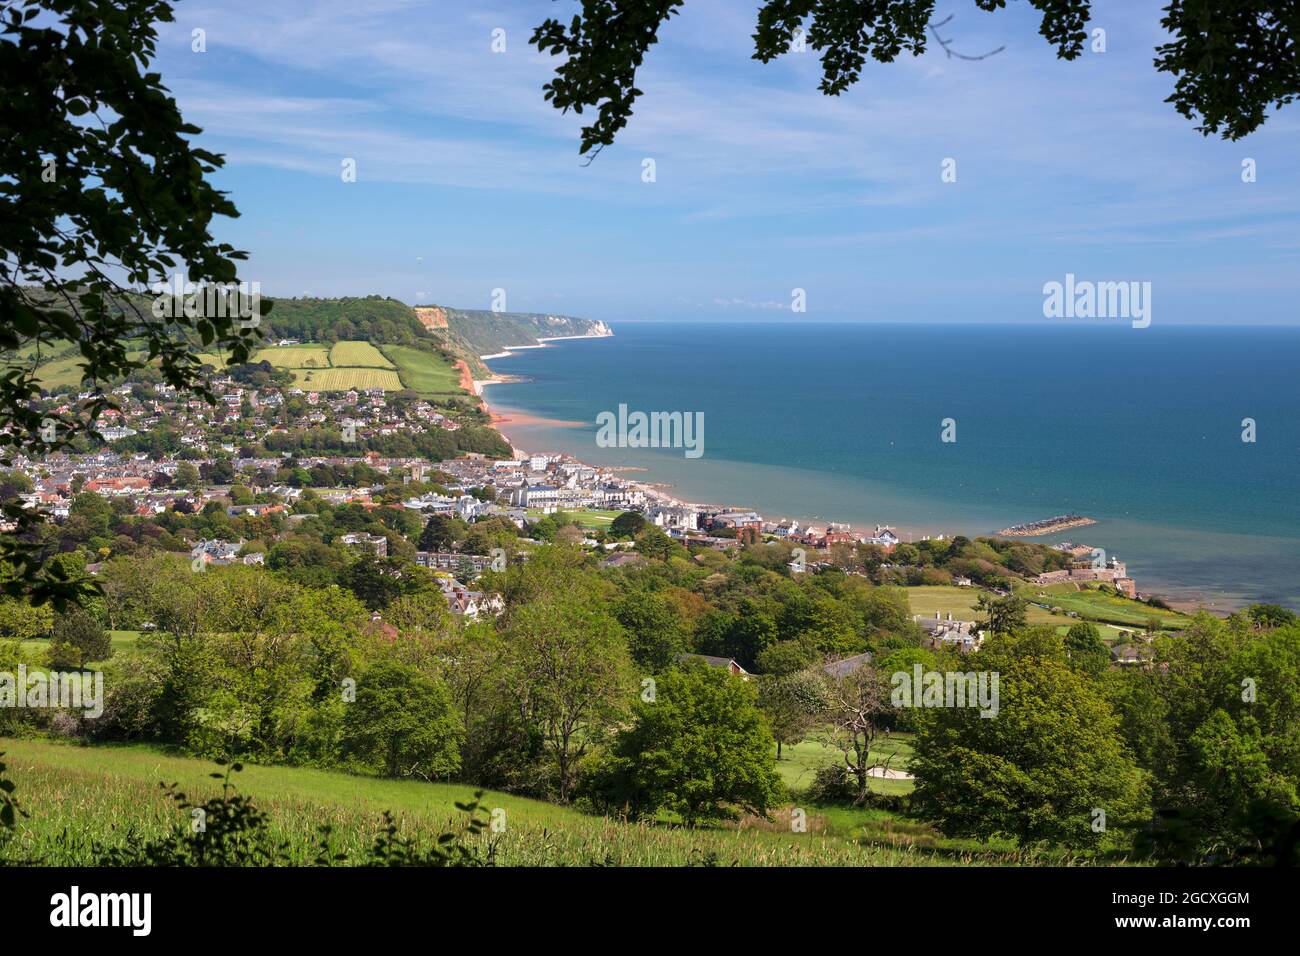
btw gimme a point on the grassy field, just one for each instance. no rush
(347, 365)
(586, 519)
(60, 372)
(1092, 603)
(800, 763)
(427, 373)
(67, 370)
(123, 642)
(361, 354)
(927, 599)
(1111, 612)
(109, 794)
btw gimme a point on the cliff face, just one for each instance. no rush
(490, 332)
(432, 317)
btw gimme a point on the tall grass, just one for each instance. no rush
(81, 800)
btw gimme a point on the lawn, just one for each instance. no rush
(110, 793)
(927, 599)
(1111, 612)
(427, 373)
(800, 763)
(596, 519)
(1090, 602)
(122, 642)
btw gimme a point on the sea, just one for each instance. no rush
(1183, 442)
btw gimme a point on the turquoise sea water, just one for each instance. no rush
(1138, 428)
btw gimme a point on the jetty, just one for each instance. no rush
(1046, 526)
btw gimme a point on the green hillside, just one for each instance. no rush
(76, 796)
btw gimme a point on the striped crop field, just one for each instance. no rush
(358, 354)
(342, 379)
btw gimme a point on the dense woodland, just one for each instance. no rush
(579, 693)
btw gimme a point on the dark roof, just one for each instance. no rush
(845, 667)
(725, 662)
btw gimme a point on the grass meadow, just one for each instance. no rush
(81, 797)
(426, 373)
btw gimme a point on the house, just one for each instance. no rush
(737, 520)
(452, 561)
(725, 663)
(375, 542)
(683, 519)
(963, 635)
(882, 536)
(1128, 655)
(466, 603)
(1112, 572)
(216, 552)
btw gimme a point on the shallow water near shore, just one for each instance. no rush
(1139, 429)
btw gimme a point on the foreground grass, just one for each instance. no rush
(80, 798)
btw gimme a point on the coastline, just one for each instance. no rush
(509, 350)
(503, 416)
(1181, 569)
(656, 490)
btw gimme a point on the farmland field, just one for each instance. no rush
(64, 371)
(342, 379)
(361, 354)
(295, 356)
(67, 370)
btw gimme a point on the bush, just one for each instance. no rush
(833, 784)
(78, 639)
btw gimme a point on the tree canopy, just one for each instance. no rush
(1231, 63)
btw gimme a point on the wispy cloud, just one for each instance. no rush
(761, 182)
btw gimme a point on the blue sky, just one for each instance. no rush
(468, 181)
